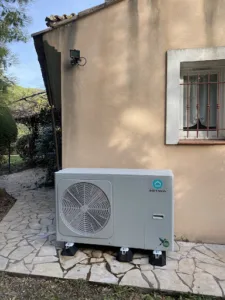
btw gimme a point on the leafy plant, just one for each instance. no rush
(22, 130)
(13, 22)
(23, 148)
(8, 131)
(38, 147)
(45, 150)
(8, 128)
(25, 101)
(3, 159)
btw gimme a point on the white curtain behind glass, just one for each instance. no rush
(191, 98)
(222, 105)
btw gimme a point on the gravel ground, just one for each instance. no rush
(6, 202)
(35, 288)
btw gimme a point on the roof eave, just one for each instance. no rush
(41, 32)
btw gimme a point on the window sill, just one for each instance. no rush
(201, 142)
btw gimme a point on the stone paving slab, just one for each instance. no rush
(28, 246)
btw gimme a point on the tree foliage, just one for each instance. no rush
(32, 102)
(23, 148)
(22, 130)
(38, 147)
(8, 128)
(13, 21)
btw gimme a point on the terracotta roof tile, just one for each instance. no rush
(56, 21)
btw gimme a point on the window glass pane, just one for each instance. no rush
(213, 100)
(190, 101)
(198, 94)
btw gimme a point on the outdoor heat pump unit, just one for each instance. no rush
(115, 207)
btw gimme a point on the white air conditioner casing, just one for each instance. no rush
(117, 207)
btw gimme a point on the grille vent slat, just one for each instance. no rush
(85, 208)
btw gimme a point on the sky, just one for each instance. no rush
(27, 70)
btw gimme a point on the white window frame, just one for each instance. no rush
(174, 112)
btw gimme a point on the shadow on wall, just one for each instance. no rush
(135, 73)
(138, 75)
(53, 60)
(210, 13)
(135, 138)
(71, 79)
(119, 116)
(130, 84)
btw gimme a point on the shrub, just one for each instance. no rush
(22, 130)
(38, 147)
(45, 154)
(44, 145)
(8, 129)
(23, 148)
(3, 159)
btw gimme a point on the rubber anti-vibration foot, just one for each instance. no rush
(69, 249)
(124, 255)
(157, 258)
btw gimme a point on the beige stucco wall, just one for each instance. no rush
(113, 109)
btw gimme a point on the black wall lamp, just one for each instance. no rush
(76, 59)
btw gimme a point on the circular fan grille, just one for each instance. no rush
(85, 208)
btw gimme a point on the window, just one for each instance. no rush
(195, 95)
(203, 97)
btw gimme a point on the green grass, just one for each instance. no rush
(16, 160)
(16, 165)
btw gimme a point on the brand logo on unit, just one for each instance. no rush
(157, 185)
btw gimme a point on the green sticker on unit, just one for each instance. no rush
(166, 243)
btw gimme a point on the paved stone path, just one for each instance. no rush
(28, 246)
